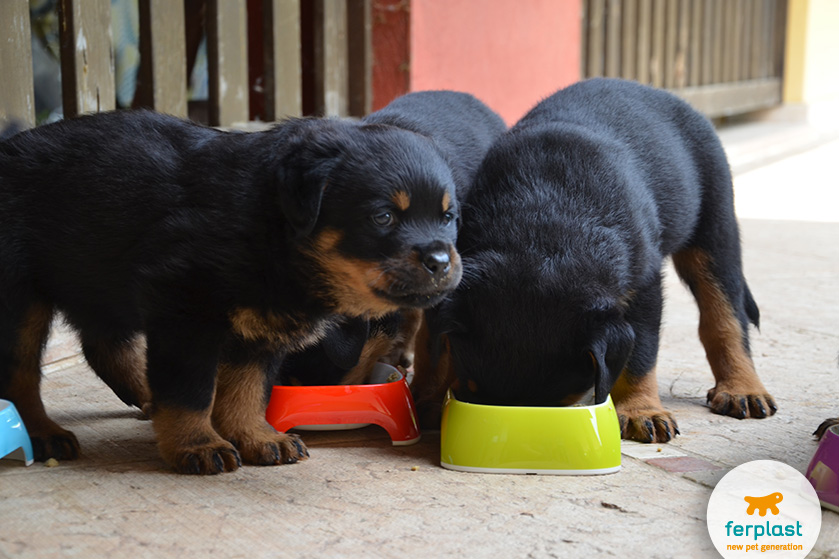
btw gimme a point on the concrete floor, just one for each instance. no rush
(360, 496)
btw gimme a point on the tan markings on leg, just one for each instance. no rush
(401, 199)
(252, 324)
(572, 399)
(49, 440)
(636, 393)
(188, 442)
(738, 391)
(239, 417)
(122, 366)
(398, 350)
(431, 381)
(642, 417)
(351, 281)
(402, 351)
(375, 349)
(255, 325)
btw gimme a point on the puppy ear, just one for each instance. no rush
(310, 154)
(610, 351)
(344, 343)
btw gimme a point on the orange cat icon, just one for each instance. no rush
(762, 504)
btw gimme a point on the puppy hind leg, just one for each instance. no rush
(725, 308)
(242, 395)
(22, 339)
(121, 363)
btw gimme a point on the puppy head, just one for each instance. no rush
(519, 341)
(373, 210)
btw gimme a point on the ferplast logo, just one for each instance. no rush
(764, 507)
(763, 504)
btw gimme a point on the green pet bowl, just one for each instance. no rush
(574, 440)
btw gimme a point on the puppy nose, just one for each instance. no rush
(437, 262)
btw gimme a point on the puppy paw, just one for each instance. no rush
(826, 424)
(741, 405)
(59, 444)
(213, 458)
(272, 448)
(648, 425)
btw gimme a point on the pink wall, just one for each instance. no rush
(508, 53)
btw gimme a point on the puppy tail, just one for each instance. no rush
(751, 307)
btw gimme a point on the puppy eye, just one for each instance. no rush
(384, 219)
(448, 217)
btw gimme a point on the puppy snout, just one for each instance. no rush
(437, 262)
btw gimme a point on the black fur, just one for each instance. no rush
(329, 361)
(137, 223)
(563, 240)
(462, 129)
(460, 126)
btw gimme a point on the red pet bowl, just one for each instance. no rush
(387, 404)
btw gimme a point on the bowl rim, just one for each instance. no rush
(450, 396)
(368, 386)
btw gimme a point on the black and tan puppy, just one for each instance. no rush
(564, 236)
(348, 352)
(202, 257)
(462, 129)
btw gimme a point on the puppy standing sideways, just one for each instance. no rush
(462, 128)
(563, 241)
(202, 257)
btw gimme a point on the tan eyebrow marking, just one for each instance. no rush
(401, 199)
(446, 202)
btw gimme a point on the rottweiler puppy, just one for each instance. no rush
(349, 351)
(564, 236)
(192, 260)
(462, 128)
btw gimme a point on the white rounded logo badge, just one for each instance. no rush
(764, 509)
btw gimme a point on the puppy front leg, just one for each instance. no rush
(433, 376)
(642, 417)
(182, 361)
(241, 398)
(641, 414)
